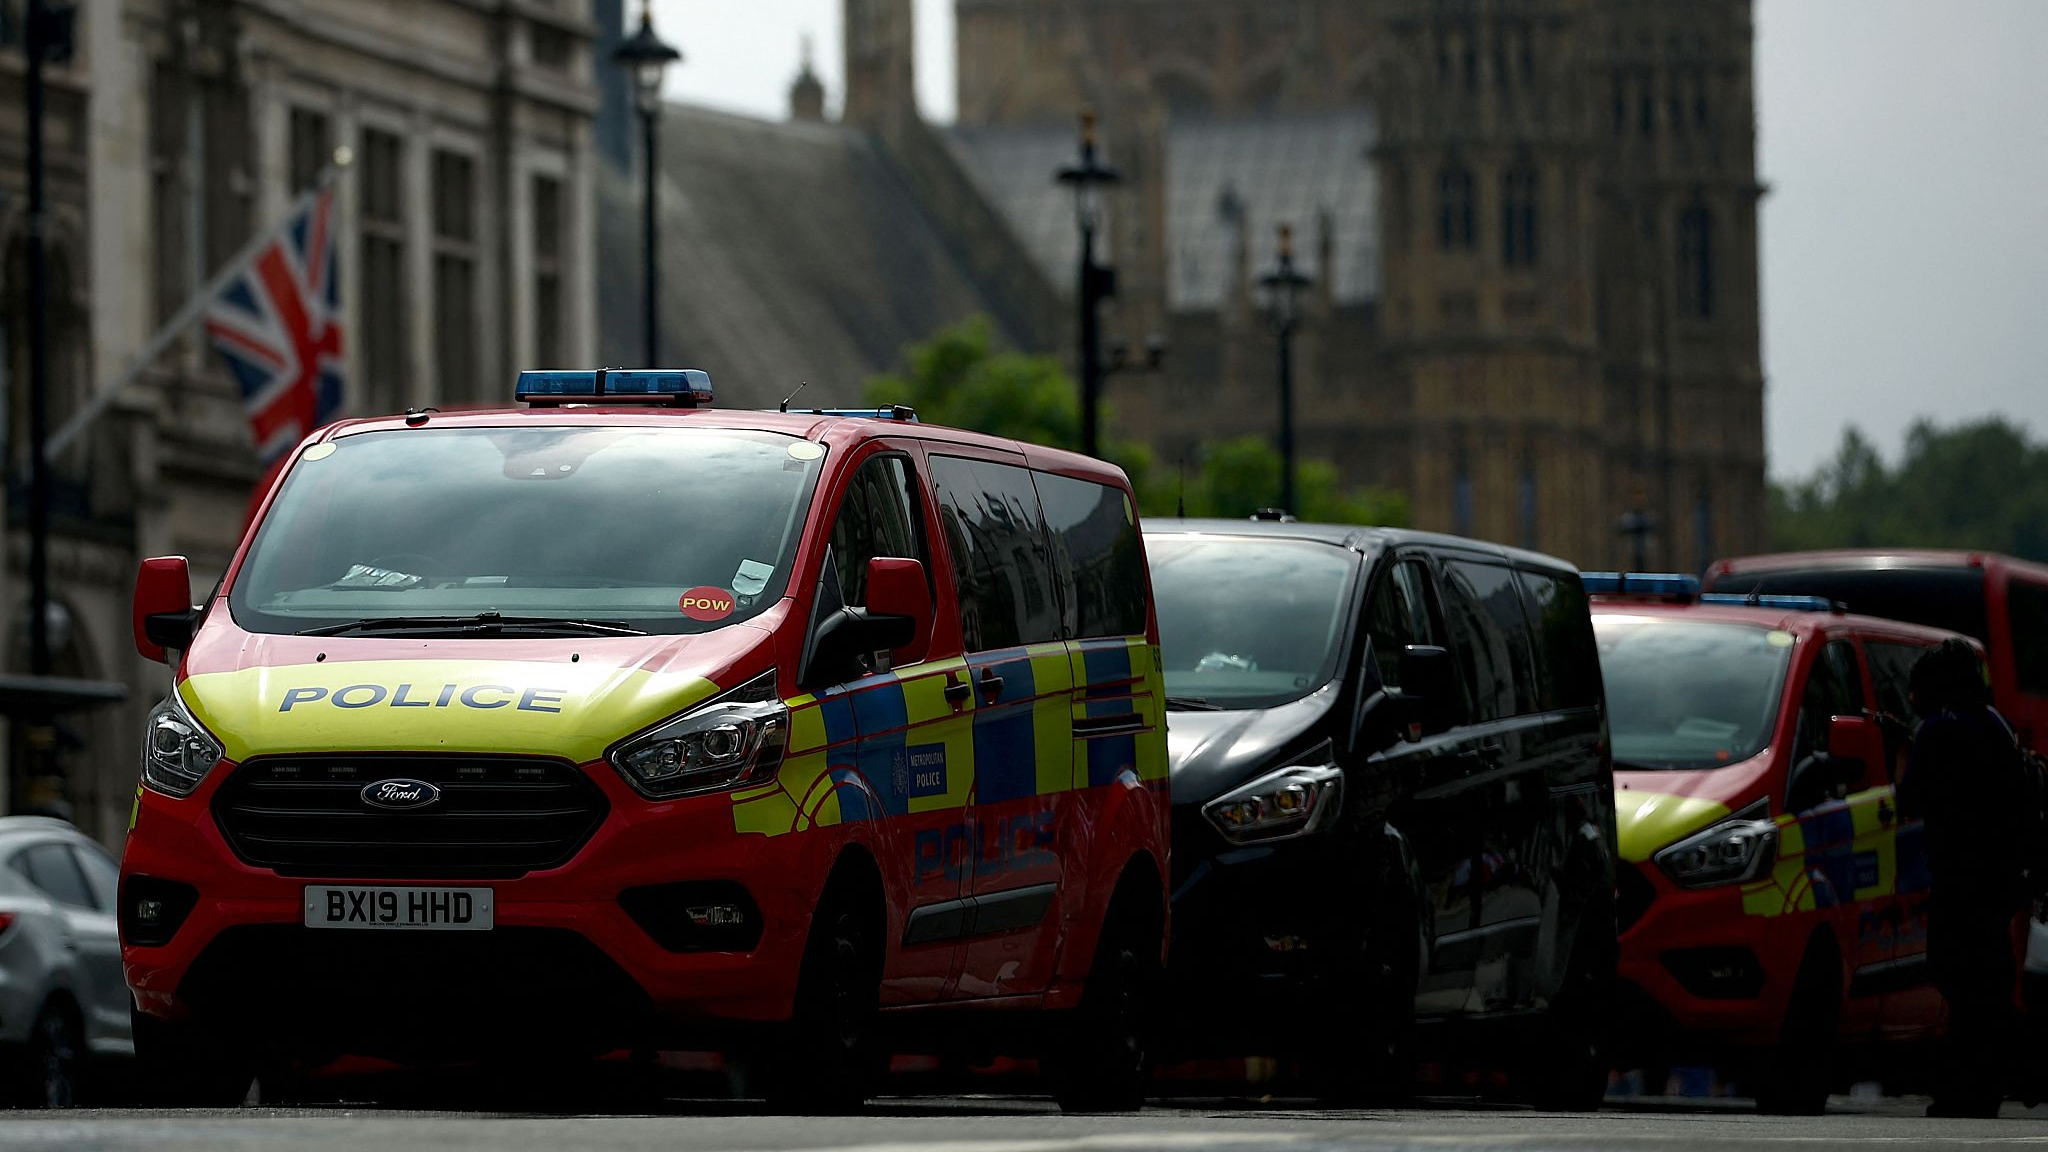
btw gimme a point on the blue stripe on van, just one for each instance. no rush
(1108, 667)
(1005, 739)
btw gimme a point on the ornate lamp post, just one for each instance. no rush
(647, 56)
(1284, 285)
(1088, 177)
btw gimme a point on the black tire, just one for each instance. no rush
(1794, 1078)
(1574, 1050)
(1366, 1053)
(827, 1059)
(189, 1064)
(1102, 1060)
(53, 1064)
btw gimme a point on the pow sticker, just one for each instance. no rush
(707, 603)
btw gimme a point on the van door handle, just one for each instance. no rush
(957, 692)
(1492, 753)
(991, 685)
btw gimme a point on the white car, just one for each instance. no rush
(63, 1000)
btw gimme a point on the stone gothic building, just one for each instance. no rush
(1532, 225)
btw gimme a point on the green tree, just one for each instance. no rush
(1981, 485)
(958, 378)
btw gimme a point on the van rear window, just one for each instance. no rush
(2026, 607)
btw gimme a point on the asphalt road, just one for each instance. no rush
(1009, 1124)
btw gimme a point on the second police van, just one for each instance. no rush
(1773, 900)
(620, 721)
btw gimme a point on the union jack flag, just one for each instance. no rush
(278, 326)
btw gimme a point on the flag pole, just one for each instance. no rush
(195, 307)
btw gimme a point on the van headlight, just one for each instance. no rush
(176, 752)
(1293, 801)
(1738, 849)
(726, 742)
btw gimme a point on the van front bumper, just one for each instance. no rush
(1714, 975)
(564, 952)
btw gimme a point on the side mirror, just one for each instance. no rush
(897, 588)
(1429, 683)
(1853, 742)
(163, 614)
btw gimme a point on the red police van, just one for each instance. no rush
(623, 721)
(1999, 600)
(1773, 904)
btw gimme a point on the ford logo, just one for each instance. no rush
(400, 793)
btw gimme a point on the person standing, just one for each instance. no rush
(1964, 779)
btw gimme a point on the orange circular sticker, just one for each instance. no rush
(707, 603)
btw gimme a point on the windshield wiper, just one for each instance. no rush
(1191, 704)
(481, 624)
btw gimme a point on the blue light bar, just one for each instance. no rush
(893, 412)
(687, 387)
(1670, 584)
(1784, 603)
(667, 382)
(556, 385)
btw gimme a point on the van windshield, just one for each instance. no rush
(1685, 694)
(633, 529)
(1248, 622)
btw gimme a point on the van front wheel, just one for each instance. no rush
(190, 1064)
(826, 1062)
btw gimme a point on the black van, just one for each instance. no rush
(1393, 801)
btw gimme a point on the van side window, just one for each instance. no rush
(1001, 563)
(1099, 561)
(1491, 637)
(2026, 611)
(1832, 689)
(1403, 612)
(1891, 669)
(878, 517)
(1567, 659)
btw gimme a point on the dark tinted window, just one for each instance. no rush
(1833, 688)
(1099, 562)
(1403, 611)
(51, 868)
(1567, 662)
(1001, 567)
(1891, 667)
(1951, 598)
(878, 517)
(1484, 611)
(2026, 606)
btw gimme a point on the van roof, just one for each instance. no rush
(841, 431)
(1804, 623)
(1355, 537)
(1872, 560)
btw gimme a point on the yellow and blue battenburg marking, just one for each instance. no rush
(1839, 854)
(893, 744)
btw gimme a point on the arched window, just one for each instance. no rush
(1518, 216)
(1696, 263)
(1454, 207)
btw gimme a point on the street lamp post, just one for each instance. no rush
(646, 56)
(48, 39)
(1284, 285)
(1088, 177)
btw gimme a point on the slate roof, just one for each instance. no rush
(790, 252)
(1222, 175)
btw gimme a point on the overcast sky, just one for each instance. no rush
(1905, 145)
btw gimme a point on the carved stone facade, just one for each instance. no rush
(1552, 319)
(465, 232)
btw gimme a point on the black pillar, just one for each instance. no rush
(1091, 345)
(37, 42)
(1287, 420)
(651, 237)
